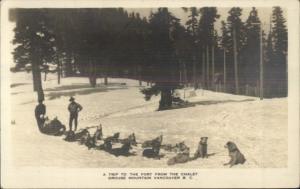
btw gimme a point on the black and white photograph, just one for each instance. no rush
(119, 87)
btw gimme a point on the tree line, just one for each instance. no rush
(111, 42)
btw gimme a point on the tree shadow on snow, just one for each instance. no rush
(18, 84)
(69, 87)
(83, 86)
(16, 93)
(212, 102)
(54, 95)
(209, 102)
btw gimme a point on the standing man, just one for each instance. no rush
(73, 108)
(40, 111)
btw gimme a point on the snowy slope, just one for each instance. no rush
(259, 128)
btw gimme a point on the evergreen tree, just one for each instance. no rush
(34, 43)
(225, 45)
(206, 39)
(279, 63)
(249, 66)
(166, 69)
(237, 32)
(192, 25)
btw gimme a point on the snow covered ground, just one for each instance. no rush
(259, 128)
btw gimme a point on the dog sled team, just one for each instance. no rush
(151, 148)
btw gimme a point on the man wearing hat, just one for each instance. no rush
(73, 108)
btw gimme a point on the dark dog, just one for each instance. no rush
(235, 155)
(82, 136)
(154, 151)
(108, 141)
(201, 151)
(89, 141)
(124, 149)
(149, 143)
(70, 136)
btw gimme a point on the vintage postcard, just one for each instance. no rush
(149, 94)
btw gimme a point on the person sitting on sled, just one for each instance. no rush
(53, 127)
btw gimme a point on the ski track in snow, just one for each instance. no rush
(259, 128)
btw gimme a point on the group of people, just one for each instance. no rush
(43, 121)
(151, 148)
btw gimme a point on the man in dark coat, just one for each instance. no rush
(40, 111)
(73, 108)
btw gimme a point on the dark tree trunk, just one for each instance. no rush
(69, 66)
(140, 75)
(105, 80)
(45, 76)
(93, 81)
(34, 77)
(37, 81)
(105, 71)
(165, 99)
(92, 74)
(58, 69)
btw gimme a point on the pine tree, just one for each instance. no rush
(225, 45)
(192, 25)
(206, 38)
(166, 69)
(237, 34)
(268, 64)
(249, 65)
(279, 40)
(34, 43)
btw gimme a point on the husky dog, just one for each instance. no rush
(149, 143)
(154, 151)
(235, 155)
(124, 149)
(202, 148)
